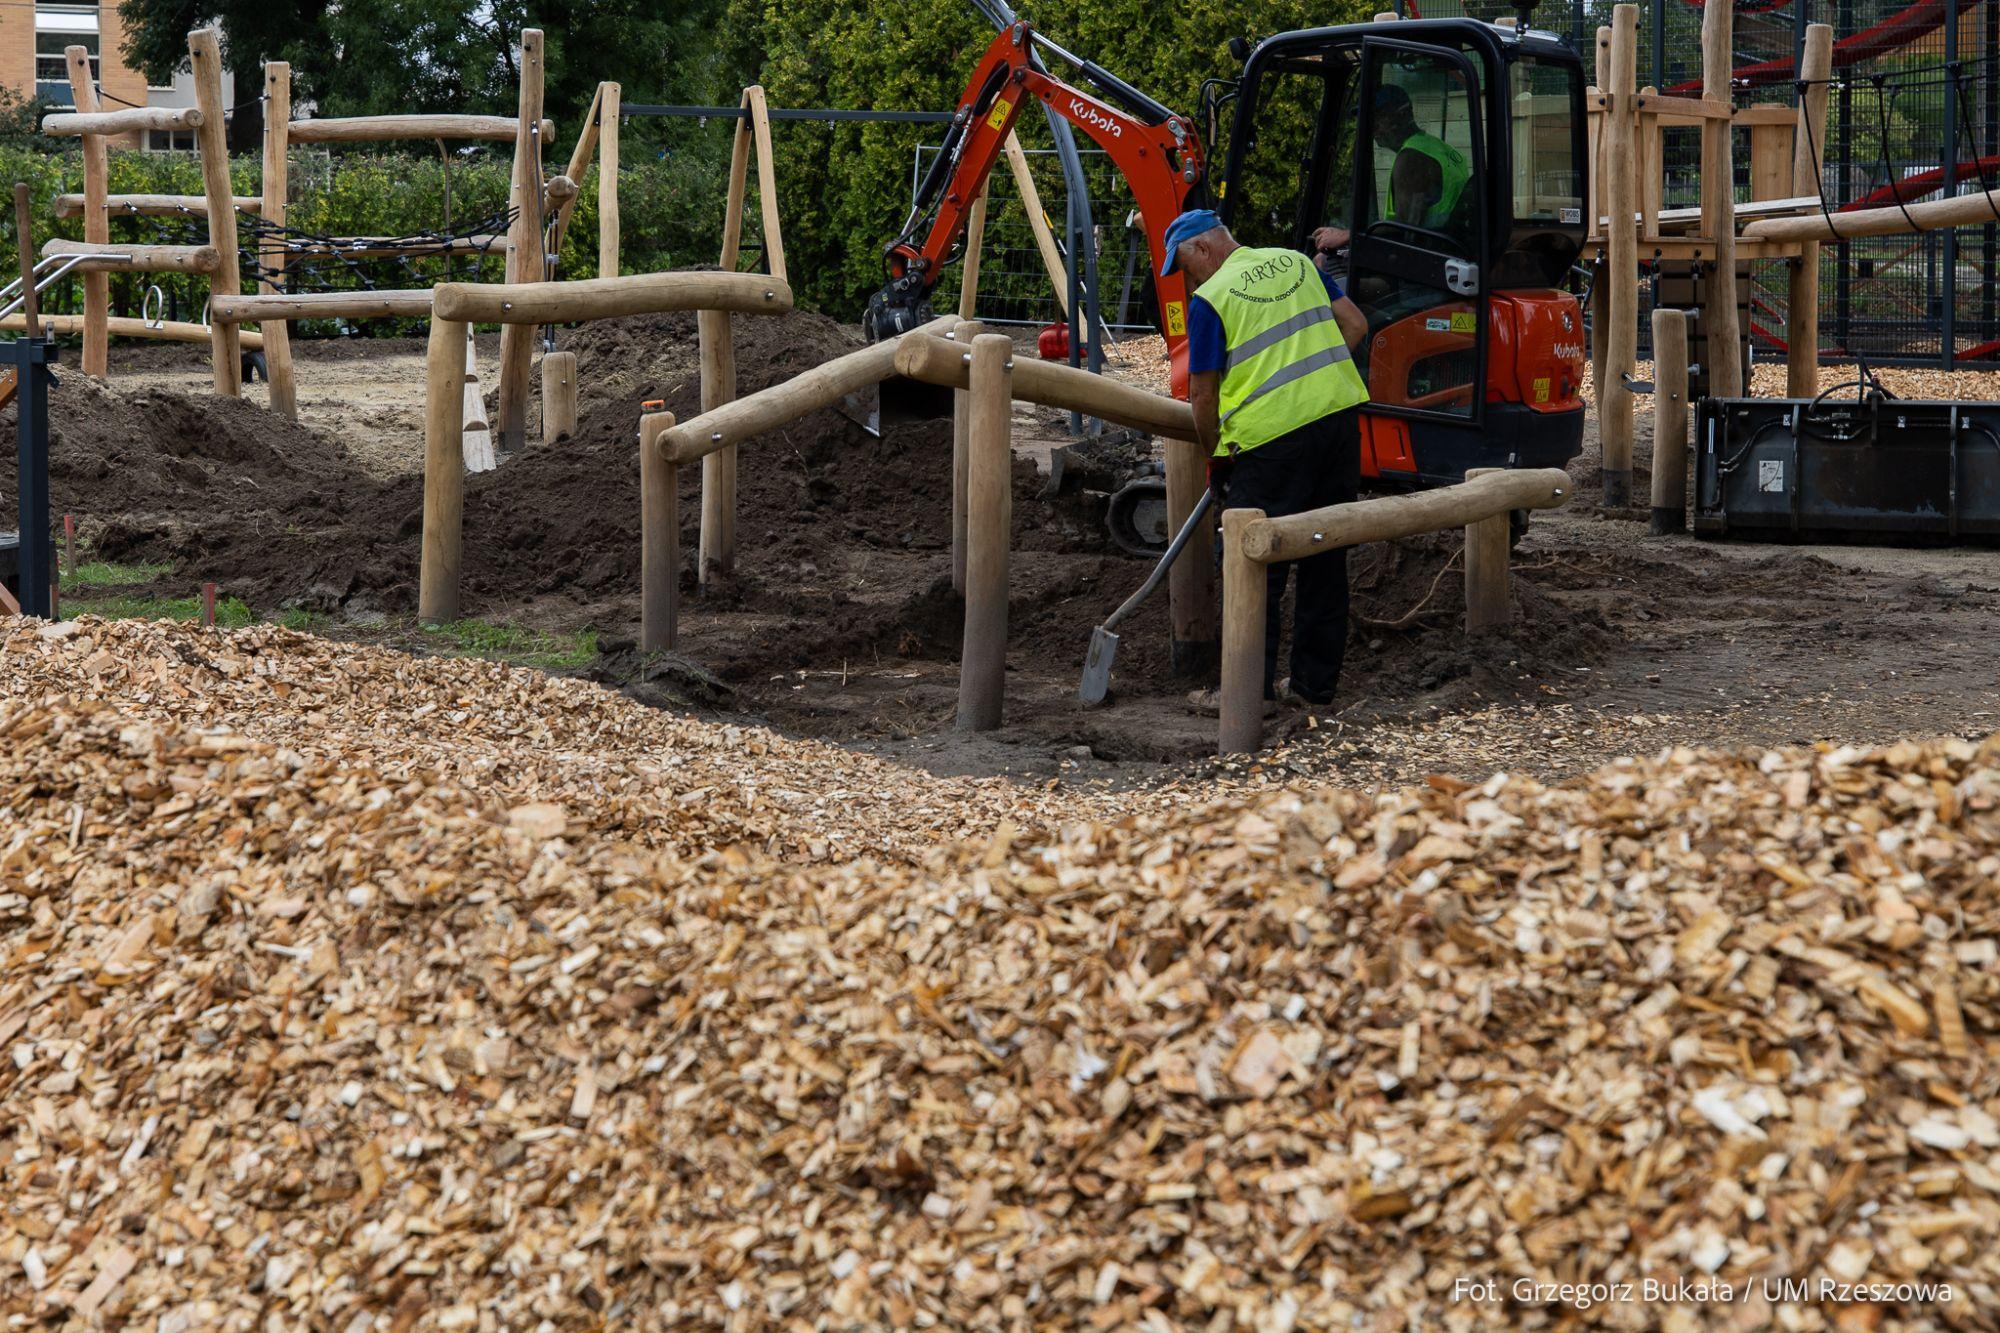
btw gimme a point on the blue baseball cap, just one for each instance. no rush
(1186, 227)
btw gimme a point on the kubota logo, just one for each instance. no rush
(1090, 115)
(1568, 351)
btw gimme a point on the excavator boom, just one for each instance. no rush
(1157, 150)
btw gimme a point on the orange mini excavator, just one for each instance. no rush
(1475, 353)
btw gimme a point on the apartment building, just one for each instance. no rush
(33, 63)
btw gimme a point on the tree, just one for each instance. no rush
(254, 31)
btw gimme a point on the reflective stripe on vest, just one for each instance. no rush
(1286, 363)
(1453, 173)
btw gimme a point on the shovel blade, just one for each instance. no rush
(1097, 666)
(864, 408)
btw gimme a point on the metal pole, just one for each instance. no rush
(1659, 43)
(1843, 282)
(1990, 248)
(1948, 328)
(32, 358)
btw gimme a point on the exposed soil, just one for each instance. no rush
(841, 621)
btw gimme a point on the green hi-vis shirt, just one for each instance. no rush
(1453, 173)
(1286, 364)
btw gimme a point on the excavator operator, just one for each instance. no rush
(1426, 182)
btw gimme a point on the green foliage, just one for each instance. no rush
(845, 188)
(106, 574)
(230, 612)
(511, 643)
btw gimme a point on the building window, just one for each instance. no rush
(51, 62)
(170, 141)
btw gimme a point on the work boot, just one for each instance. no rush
(1208, 703)
(1294, 701)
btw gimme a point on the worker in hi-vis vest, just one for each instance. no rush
(1273, 385)
(1427, 179)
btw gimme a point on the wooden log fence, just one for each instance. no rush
(982, 667)
(1251, 540)
(1621, 262)
(1670, 420)
(524, 249)
(456, 306)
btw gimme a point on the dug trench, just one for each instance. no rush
(840, 620)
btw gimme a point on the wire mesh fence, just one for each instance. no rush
(1913, 113)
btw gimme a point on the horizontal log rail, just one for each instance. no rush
(375, 129)
(822, 386)
(1385, 518)
(1963, 210)
(935, 361)
(129, 120)
(125, 326)
(319, 305)
(609, 298)
(136, 258)
(1250, 541)
(153, 205)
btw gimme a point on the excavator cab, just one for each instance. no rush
(1449, 155)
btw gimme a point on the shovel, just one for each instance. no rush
(1103, 643)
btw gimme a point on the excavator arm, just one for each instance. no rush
(1157, 150)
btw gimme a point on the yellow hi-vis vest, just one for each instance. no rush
(1286, 363)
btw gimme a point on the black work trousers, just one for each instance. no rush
(1314, 466)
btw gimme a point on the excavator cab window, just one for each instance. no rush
(1420, 238)
(1291, 178)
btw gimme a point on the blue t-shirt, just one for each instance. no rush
(1208, 349)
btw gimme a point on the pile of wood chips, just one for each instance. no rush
(349, 990)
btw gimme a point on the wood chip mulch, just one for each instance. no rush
(348, 990)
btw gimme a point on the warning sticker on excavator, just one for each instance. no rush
(1541, 387)
(1464, 321)
(997, 118)
(1176, 319)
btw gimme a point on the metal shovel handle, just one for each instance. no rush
(1174, 548)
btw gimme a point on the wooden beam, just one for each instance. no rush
(822, 386)
(1808, 155)
(127, 120)
(1670, 419)
(96, 222)
(444, 473)
(524, 249)
(1721, 325)
(153, 205)
(961, 456)
(558, 396)
(659, 537)
(767, 179)
(982, 663)
(715, 333)
(1191, 582)
(126, 326)
(320, 305)
(1390, 517)
(1963, 210)
(935, 361)
(607, 181)
(975, 240)
(1488, 541)
(579, 163)
(136, 258)
(278, 370)
(384, 129)
(1038, 222)
(1241, 729)
(1621, 271)
(225, 280)
(525, 304)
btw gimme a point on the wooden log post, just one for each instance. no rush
(1721, 326)
(444, 473)
(24, 251)
(610, 99)
(205, 51)
(1488, 601)
(1808, 155)
(1600, 303)
(716, 330)
(1193, 644)
(1243, 594)
(474, 429)
(96, 218)
(1670, 418)
(283, 386)
(1621, 270)
(659, 537)
(982, 666)
(1038, 222)
(961, 426)
(558, 396)
(975, 238)
(524, 249)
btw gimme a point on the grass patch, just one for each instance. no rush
(298, 618)
(230, 612)
(511, 643)
(106, 574)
